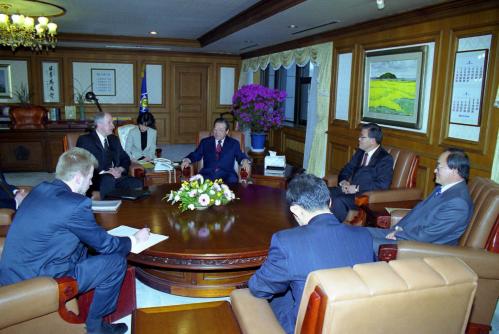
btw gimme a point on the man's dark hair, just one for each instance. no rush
(147, 119)
(309, 192)
(374, 131)
(222, 120)
(458, 159)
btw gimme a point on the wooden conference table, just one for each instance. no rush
(208, 252)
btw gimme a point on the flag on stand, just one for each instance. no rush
(144, 102)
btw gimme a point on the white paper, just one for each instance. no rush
(126, 231)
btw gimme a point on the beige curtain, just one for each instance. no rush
(320, 55)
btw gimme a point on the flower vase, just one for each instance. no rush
(258, 141)
(81, 110)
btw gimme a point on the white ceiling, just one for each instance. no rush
(191, 19)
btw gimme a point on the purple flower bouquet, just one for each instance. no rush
(258, 107)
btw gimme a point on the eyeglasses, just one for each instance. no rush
(362, 138)
(441, 167)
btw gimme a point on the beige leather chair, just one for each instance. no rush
(38, 305)
(430, 295)
(238, 135)
(6, 216)
(402, 188)
(478, 247)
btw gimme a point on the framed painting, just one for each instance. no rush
(393, 86)
(5, 81)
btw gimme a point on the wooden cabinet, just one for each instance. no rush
(31, 150)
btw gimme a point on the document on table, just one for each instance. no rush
(390, 210)
(126, 231)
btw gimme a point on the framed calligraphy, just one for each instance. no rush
(51, 83)
(103, 81)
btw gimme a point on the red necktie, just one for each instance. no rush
(218, 149)
(364, 160)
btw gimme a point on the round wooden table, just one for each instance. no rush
(209, 252)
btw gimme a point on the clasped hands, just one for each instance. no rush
(116, 172)
(348, 188)
(187, 162)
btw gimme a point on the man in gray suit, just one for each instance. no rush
(444, 215)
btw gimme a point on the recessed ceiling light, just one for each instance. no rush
(292, 26)
(380, 4)
(153, 32)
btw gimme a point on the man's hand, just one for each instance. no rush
(116, 172)
(246, 165)
(20, 195)
(349, 188)
(142, 235)
(185, 163)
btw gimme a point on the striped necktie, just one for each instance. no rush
(218, 149)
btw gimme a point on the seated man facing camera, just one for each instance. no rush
(112, 171)
(51, 234)
(218, 153)
(320, 242)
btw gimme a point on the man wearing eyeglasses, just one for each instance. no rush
(371, 168)
(444, 215)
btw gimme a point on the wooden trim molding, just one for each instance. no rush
(70, 37)
(254, 14)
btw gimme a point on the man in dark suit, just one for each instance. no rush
(112, 171)
(218, 153)
(444, 215)
(50, 235)
(10, 196)
(371, 168)
(320, 242)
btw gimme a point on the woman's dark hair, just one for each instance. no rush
(458, 159)
(147, 119)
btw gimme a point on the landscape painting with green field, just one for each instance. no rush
(392, 87)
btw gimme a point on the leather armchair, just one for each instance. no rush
(239, 136)
(30, 117)
(430, 295)
(478, 247)
(402, 188)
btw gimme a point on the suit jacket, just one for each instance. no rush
(439, 219)
(133, 145)
(375, 176)
(50, 232)
(224, 166)
(118, 156)
(323, 243)
(7, 197)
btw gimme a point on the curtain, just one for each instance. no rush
(321, 56)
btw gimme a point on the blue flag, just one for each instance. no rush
(144, 102)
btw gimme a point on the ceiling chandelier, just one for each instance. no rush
(19, 29)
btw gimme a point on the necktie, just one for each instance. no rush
(218, 149)
(106, 144)
(364, 160)
(438, 192)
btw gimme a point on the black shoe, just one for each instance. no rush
(106, 328)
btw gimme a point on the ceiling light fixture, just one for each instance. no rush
(20, 30)
(380, 4)
(153, 32)
(292, 26)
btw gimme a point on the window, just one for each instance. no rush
(297, 83)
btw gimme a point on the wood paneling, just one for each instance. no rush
(162, 112)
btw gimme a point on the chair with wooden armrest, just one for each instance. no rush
(430, 295)
(30, 117)
(402, 188)
(478, 247)
(122, 132)
(239, 136)
(45, 305)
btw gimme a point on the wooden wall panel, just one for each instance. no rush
(162, 112)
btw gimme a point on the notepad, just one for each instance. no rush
(126, 231)
(105, 206)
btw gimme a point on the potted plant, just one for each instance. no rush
(79, 99)
(258, 108)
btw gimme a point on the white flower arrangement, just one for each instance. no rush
(198, 193)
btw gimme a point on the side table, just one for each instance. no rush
(152, 177)
(378, 216)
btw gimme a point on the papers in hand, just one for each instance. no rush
(105, 206)
(126, 231)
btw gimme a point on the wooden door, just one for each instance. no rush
(190, 101)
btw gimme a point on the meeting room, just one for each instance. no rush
(277, 166)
